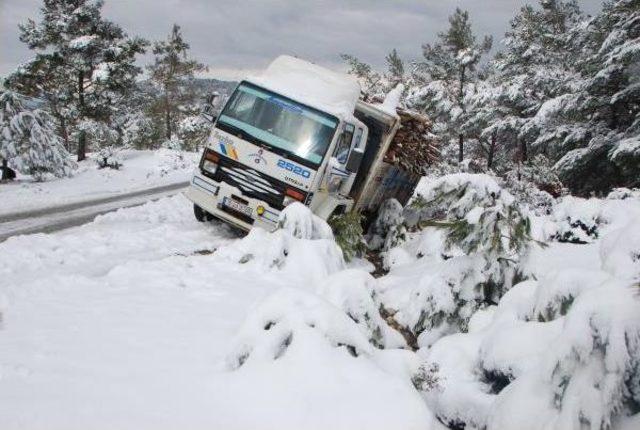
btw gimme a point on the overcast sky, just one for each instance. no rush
(234, 37)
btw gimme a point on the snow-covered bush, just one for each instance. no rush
(303, 246)
(578, 220)
(438, 302)
(353, 292)
(299, 318)
(388, 229)
(175, 143)
(347, 229)
(482, 219)
(28, 140)
(193, 131)
(172, 160)
(109, 156)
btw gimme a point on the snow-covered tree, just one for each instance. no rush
(448, 70)
(84, 64)
(482, 219)
(172, 73)
(28, 140)
(370, 80)
(598, 120)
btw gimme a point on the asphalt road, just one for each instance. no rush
(51, 219)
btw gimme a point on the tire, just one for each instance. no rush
(199, 213)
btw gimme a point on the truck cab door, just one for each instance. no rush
(341, 172)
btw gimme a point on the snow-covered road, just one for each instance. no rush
(45, 220)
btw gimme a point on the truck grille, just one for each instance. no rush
(251, 182)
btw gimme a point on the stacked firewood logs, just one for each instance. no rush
(414, 148)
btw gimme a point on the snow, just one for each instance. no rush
(82, 41)
(140, 170)
(310, 84)
(392, 100)
(148, 318)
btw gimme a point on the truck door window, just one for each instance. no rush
(344, 145)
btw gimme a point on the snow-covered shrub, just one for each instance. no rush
(175, 143)
(620, 251)
(534, 184)
(193, 131)
(300, 222)
(28, 140)
(291, 318)
(441, 302)
(388, 229)
(557, 291)
(581, 220)
(109, 156)
(482, 219)
(303, 246)
(624, 193)
(578, 220)
(595, 365)
(172, 160)
(353, 291)
(347, 229)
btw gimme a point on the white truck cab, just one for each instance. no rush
(296, 133)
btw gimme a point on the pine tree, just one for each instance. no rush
(395, 70)
(602, 109)
(28, 140)
(448, 69)
(371, 82)
(84, 64)
(173, 73)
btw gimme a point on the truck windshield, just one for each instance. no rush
(280, 123)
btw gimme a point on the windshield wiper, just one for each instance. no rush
(237, 130)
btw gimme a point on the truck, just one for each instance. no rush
(297, 133)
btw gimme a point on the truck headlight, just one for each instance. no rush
(209, 161)
(209, 166)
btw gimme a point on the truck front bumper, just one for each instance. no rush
(210, 195)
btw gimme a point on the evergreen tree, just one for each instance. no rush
(448, 70)
(84, 65)
(173, 74)
(371, 82)
(28, 140)
(395, 70)
(602, 109)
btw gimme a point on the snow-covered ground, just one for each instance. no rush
(126, 322)
(145, 318)
(140, 170)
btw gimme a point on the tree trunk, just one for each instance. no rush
(82, 137)
(524, 155)
(82, 145)
(492, 149)
(461, 104)
(167, 115)
(5, 171)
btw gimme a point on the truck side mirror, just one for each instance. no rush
(209, 111)
(355, 159)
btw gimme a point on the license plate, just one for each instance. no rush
(237, 206)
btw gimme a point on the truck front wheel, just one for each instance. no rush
(200, 214)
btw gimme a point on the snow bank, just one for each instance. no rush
(310, 84)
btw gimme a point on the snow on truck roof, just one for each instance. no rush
(332, 92)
